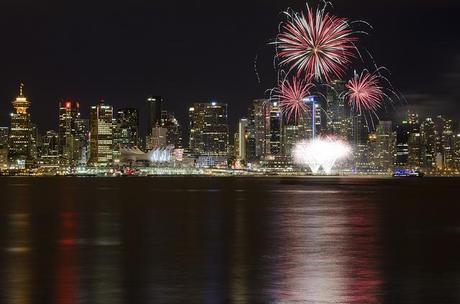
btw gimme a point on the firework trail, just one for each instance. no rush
(365, 93)
(255, 69)
(291, 96)
(317, 44)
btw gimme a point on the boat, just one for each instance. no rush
(408, 173)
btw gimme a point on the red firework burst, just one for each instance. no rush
(319, 44)
(365, 94)
(291, 96)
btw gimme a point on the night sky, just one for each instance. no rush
(191, 51)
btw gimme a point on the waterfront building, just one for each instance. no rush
(241, 139)
(457, 151)
(383, 153)
(275, 135)
(83, 132)
(101, 135)
(360, 143)
(4, 132)
(318, 128)
(70, 144)
(174, 129)
(335, 108)
(126, 129)
(295, 131)
(235, 148)
(157, 138)
(50, 149)
(259, 123)
(409, 152)
(444, 142)
(20, 149)
(209, 133)
(154, 106)
(428, 133)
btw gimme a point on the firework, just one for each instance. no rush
(320, 153)
(318, 44)
(291, 96)
(364, 92)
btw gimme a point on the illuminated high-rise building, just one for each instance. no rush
(83, 132)
(173, 127)
(101, 135)
(314, 128)
(49, 149)
(209, 134)
(360, 143)
(295, 131)
(158, 138)
(154, 106)
(241, 141)
(259, 123)
(383, 154)
(126, 128)
(20, 151)
(444, 142)
(336, 108)
(275, 135)
(457, 151)
(4, 132)
(409, 152)
(70, 144)
(428, 133)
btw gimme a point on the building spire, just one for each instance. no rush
(21, 88)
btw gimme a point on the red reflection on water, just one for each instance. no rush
(67, 262)
(365, 282)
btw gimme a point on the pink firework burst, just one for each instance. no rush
(291, 96)
(318, 44)
(365, 94)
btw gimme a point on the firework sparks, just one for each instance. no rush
(320, 153)
(291, 96)
(318, 44)
(365, 94)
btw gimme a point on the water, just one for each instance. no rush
(229, 240)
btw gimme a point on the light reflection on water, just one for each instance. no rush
(225, 240)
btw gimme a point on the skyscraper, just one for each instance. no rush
(295, 131)
(444, 142)
(174, 130)
(335, 108)
(158, 138)
(83, 132)
(409, 143)
(209, 129)
(49, 150)
(360, 142)
(241, 140)
(154, 105)
(457, 151)
(259, 123)
(70, 145)
(383, 154)
(428, 134)
(20, 137)
(126, 129)
(318, 120)
(4, 131)
(275, 136)
(101, 135)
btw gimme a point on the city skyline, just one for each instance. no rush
(61, 61)
(266, 139)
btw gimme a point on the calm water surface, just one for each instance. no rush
(229, 240)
